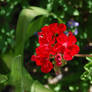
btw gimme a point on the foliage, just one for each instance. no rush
(18, 41)
(8, 11)
(87, 75)
(17, 70)
(3, 78)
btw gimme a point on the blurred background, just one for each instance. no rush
(76, 76)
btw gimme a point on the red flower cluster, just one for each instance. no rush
(55, 47)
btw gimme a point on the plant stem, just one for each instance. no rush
(83, 55)
(55, 16)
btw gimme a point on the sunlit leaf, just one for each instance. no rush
(38, 11)
(25, 24)
(19, 77)
(87, 75)
(37, 87)
(89, 59)
(76, 13)
(3, 78)
(26, 27)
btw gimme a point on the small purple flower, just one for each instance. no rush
(75, 31)
(71, 23)
(76, 24)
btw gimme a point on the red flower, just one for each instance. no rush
(45, 28)
(67, 55)
(62, 38)
(43, 51)
(46, 67)
(46, 37)
(71, 39)
(58, 48)
(55, 46)
(74, 49)
(39, 60)
(70, 52)
(33, 58)
(57, 28)
(58, 59)
(62, 27)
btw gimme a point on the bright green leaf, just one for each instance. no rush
(24, 22)
(87, 75)
(89, 59)
(76, 13)
(37, 87)
(3, 78)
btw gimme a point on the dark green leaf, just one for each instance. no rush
(35, 26)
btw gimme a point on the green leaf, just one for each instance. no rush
(3, 78)
(7, 59)
(88, 66)
(24, 26)
(22, 80)
(87, 75)
(37, 87)
(19, 77)
(89, 59)
(39, 11)
(34, 26)
(76, 13)
(16, 69)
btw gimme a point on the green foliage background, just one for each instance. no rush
(18, 42)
